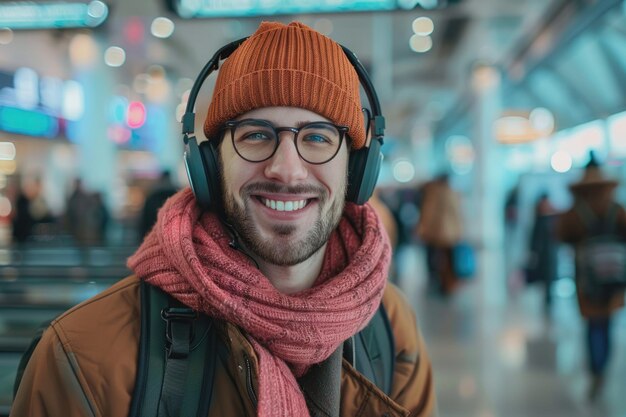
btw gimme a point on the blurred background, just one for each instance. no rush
(500, 102)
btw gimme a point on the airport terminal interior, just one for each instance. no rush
(506, 103)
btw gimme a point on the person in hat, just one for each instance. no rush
(286, 267)
(594, 203)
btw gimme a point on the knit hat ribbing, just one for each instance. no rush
(288, 65)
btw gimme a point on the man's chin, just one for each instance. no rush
(283, 253)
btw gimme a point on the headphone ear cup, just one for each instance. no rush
(202, 171)
(210, 157)
(363, 169)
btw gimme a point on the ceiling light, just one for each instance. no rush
(114, 56)
(542, 120)
(561, 161)
(403, 171)
(97, 10)
(162, 27)
(423, 26)
(420, 43)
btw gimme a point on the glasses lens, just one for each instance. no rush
(254, 140)
(318, 142)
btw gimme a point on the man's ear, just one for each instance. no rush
(369, 125)
(368, 134)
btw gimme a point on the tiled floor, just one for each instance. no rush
(497, 353)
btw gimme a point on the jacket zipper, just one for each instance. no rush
(249, 385)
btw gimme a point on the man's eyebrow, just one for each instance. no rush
(308, 122)
(297, 124)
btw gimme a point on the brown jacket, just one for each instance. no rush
(571, 229)
(85, 365)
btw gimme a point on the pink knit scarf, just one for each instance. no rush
(187, 254)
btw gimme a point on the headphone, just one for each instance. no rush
(202, 161)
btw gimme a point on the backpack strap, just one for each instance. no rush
(21, 367)
(177, 358)
(372, 351)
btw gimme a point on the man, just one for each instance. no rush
(594, 211)
(288, 270)
(440, 227)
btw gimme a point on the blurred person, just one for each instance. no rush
(75, 208)
(31, 209)
(100, 217)
(542, 248)
(593, 204)
(22, 220)
(406, 213)
(440, 228)
(276, 247)
(163, 190)
(86, 216)
(511, 233)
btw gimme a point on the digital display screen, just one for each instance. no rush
(246, 8)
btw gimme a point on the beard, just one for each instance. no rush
(296, 247)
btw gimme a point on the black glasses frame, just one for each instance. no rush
(232, 126)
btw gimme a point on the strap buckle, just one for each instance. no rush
(179, 330)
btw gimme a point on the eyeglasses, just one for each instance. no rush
(256, 140)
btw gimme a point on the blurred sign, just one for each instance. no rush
(28, 122)
(38, 106)
(50, 15)
(242, 8)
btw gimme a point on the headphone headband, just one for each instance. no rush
(188, 120)
(211, 66)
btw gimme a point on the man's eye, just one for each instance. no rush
(256, 136)
(317, 138)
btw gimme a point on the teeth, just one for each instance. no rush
(285, 205)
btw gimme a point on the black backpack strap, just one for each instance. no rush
(21, 367)
(177, 354)
(372, 351)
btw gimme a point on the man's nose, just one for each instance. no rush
(286, 165)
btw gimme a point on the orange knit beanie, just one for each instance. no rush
(288, 65)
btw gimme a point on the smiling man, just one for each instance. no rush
(285, 192)
(291, 271)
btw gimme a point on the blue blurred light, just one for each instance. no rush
(32, 15)
(564, 287)
(117, 109)
(235, 8)
(403, 171)
(28, 122)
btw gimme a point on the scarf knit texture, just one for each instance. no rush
(187, 254)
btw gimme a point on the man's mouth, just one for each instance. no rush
(281, 205)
